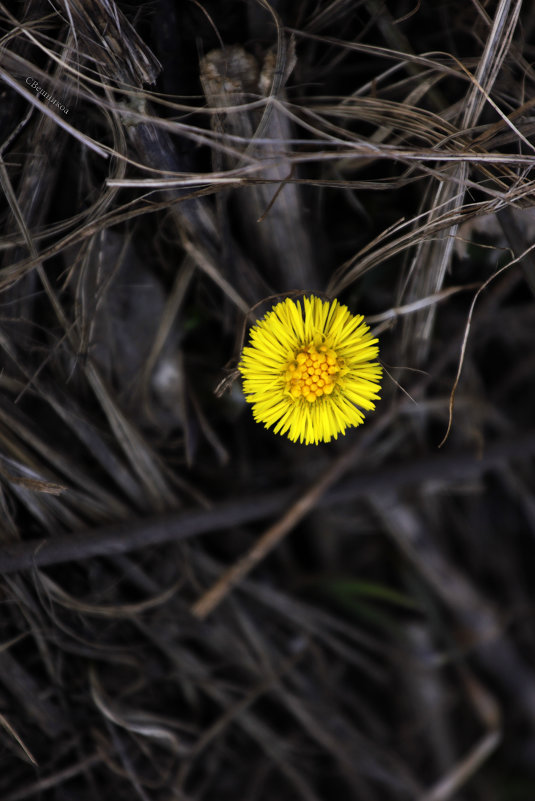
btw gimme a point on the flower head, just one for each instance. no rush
(309, 369)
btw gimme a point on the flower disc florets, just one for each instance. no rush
(308, 369)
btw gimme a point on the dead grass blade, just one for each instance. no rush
(275, 533)
(467, 333)
(4, 722)
(215, 158)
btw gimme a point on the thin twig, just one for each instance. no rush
(138, 533)
(273, 535)
(312, 497)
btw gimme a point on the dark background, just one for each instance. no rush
(383, 648)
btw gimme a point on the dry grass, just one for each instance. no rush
(194, 608)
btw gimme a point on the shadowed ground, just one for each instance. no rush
(192, 606)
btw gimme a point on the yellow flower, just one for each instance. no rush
(308, 368)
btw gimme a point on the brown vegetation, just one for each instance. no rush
(195, 608)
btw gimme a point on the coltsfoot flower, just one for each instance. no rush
(309, 369)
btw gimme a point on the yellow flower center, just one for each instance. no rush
(313, 372)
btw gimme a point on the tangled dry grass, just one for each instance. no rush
(192, 607)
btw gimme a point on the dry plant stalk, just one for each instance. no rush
(208, 157)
